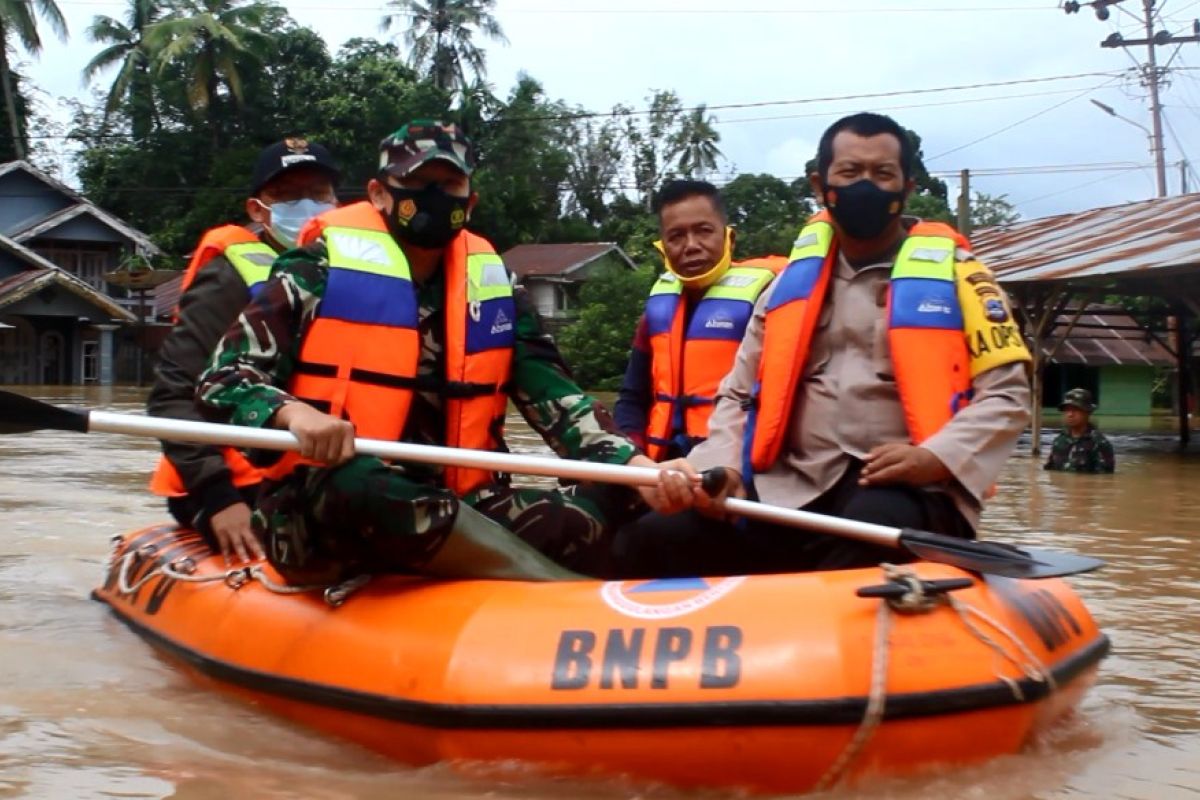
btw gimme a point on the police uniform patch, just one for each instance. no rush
(992, 336)
(994, 310)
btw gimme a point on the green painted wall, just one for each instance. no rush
(1125, 391)
(1122, 391)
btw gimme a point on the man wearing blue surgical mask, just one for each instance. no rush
(208, 488)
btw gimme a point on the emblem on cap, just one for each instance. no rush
(296, 144)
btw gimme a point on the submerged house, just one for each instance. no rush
(61, 322)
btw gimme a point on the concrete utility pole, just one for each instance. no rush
(1152, 74)
(964, 203)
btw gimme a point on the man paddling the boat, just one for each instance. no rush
(209, 488)
(881, 379)
(397, 322)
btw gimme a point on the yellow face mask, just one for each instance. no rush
(705, 279)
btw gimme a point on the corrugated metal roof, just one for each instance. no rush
(1159, 236)
(166, 296)
(1104, 338)
(14, 282)
(557, 259)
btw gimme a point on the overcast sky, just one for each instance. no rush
(597, 53)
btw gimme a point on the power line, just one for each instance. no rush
(1178, 144)
(939, 104)
(383, 9)
(629, 183)
(1061, 191)
(617, 113)
(1021, 121)
(1047, 169)
(739, 120)
(1151, 73)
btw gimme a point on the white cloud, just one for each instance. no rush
(787, 158)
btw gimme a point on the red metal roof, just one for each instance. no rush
(14, 282)
(1098, 245)
(555, 259)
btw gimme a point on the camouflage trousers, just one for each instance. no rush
(322, 525)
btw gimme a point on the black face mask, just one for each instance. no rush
(863, 210)
(426, 217)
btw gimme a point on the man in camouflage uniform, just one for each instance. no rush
(358, 513)
(1080, 447)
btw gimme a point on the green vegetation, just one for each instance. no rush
(597, 345)
(188, 91)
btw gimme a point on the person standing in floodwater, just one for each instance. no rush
(1080, 447)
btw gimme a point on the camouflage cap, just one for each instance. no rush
(1080, 398)
(424, 140)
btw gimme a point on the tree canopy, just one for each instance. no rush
(188, 92)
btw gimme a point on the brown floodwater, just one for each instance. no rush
(87, 710)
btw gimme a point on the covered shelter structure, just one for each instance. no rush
(1143, 257)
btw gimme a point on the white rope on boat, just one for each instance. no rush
(915, 601)
(184, 569)
(1032, 666)
(876, 700)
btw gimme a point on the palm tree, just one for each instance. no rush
(17, 17)
(439, 37)
(696, 144)
(211, 42)
(127, 47)
(476, 102)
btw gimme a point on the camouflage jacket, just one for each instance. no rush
(1091, 452)
(253, 363)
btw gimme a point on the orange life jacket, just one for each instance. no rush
(252, 260)
(688, 365)
(925, 334)
(359, 357)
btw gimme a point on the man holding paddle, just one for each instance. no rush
(882, 379)
(397, 323)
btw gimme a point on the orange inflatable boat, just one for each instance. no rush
(775, 683)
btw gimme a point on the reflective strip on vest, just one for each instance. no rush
(923, 293)
(688, 366)
(481, 319)
(369, 280)
(359, 358)
(253, 261)
(925, 335)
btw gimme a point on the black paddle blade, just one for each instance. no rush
(20, 414)
(995, 558)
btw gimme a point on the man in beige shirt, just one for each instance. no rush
(847, 448)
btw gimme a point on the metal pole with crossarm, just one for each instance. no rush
(1152, 74)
